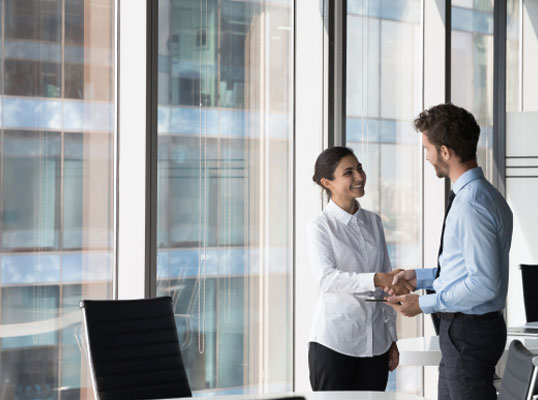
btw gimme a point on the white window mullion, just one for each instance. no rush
(310, 76)
(435, 69)
(131, 253)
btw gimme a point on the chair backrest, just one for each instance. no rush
(134, 350)
(529, 276)
(519, 379)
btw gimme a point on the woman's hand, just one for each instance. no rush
(394, 356)
(384, 280)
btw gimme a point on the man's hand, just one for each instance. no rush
(384, 280)
(406, 304)
(408, 275)
(394, 356)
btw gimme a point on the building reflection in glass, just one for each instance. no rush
(56, 162)
(224, 189)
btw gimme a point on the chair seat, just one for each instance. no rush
(519, 379)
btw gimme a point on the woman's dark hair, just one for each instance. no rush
(327, 162)
(450, 126)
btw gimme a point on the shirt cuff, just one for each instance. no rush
(427, 303)
(425, 277)
(368, 282)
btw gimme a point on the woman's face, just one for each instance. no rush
(349, 180)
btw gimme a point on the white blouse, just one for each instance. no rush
(345, 252)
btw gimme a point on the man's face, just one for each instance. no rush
(434, 157)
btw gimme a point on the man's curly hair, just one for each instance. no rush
(450, 126)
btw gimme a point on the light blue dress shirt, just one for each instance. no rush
(476, 243)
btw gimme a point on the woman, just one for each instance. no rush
(353, 341)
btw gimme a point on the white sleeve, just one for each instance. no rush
(322, 259)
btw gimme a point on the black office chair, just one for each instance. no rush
(133, 349)
(529, 276)
(519, 379)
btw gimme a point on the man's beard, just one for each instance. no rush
(440, 172)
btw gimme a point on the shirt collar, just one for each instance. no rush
(341, 215)
(466, 177)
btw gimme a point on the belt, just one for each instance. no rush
(451, 315)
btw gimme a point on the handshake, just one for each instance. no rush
(396, 282)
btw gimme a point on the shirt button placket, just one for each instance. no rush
(369, 331)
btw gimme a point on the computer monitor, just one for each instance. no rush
(529, 276)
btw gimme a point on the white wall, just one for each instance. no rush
(522, 162)
(522, 196)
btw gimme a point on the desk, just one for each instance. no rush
(425, 351)
(351, 395)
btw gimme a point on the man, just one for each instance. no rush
(471, 280)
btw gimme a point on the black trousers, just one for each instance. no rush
(470, 347)
(330, 370)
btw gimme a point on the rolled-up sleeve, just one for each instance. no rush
(323, 264)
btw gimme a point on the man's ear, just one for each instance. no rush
(445, 152)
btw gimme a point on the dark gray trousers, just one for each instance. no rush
(470, 350)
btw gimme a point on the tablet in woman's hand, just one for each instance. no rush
(374, 299)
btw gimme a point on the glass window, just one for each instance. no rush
(74, 22)
(513, 62)
(224, 189)
(32, 78)
(56, 189)
(74, 81)
(32, 48)
(38, 20)
(30, 176)
(384, 95)
(72, 193)
(472, 70)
